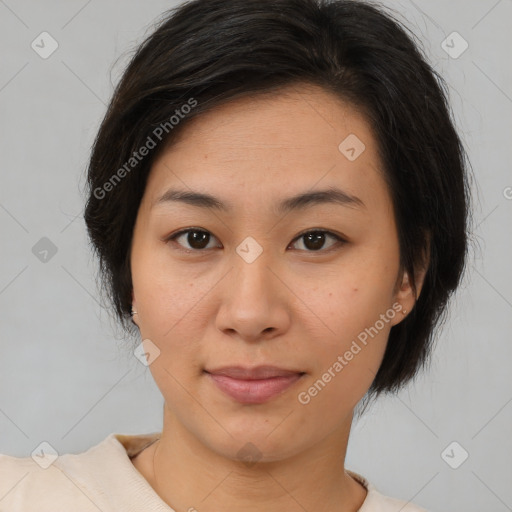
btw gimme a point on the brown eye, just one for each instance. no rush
(314, 241)
(197, 239)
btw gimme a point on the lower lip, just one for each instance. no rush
(253, 391)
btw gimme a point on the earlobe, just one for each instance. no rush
(404, 298)
(134, 311)
(404, 289)
(134, 316)
(405, 294)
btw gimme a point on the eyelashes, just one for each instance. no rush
(313, 238)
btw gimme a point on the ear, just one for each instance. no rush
(404, 293)
(135, 317)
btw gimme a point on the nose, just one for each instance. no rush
(254, 302)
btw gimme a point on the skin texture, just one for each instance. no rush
(292, 307)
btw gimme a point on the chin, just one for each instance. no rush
(255, 441)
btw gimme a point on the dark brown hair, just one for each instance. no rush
(207, 52)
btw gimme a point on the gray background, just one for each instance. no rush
(65, 374)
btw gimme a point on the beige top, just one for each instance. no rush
(104, 479)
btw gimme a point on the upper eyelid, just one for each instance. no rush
(339, 238)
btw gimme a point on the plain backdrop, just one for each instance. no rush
(65, 377)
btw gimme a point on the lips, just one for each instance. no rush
(259, 372)
(253, 385)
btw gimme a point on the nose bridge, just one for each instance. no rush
(252, 300)
(251, 263)
(253, 287)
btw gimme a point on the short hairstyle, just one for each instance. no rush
(204, 53)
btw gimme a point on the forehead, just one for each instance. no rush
(298, 117)
(300, 138)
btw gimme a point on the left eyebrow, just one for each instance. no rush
(332, 195)
(301, 201)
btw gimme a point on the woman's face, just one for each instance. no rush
(247, 286)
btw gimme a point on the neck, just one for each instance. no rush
(191, 477)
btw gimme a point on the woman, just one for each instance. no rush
(278, 199)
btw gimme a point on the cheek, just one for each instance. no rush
(358, 313)
(172, 316)
(170, 298)
(343, 375)
(344, 367)
(352, 301)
